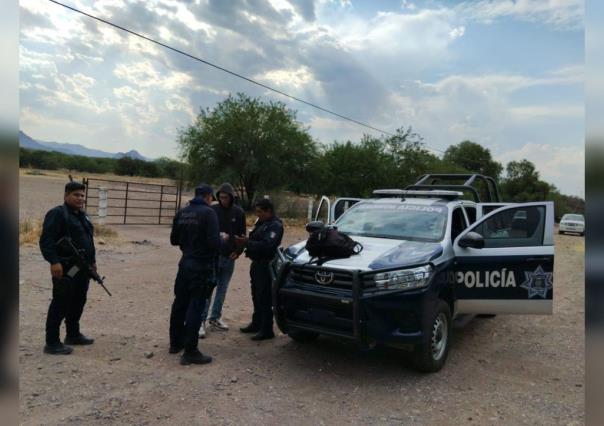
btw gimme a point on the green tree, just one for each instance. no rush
(410, 158)
(522, 183)
(256, 145)
(355, 170)
(474, 158)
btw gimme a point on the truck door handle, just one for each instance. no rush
(537, 259)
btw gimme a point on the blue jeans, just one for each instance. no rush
(223, 277)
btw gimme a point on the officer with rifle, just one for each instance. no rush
(67, 243)
(195, 230)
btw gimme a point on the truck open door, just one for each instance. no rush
(504, 263)
(340, 205)
(323, 212)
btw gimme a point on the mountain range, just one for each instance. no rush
(28, 142)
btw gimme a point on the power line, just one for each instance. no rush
(360, 123)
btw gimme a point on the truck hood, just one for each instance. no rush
(378, 253)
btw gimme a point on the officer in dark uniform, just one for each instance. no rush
(261, 247)
(195, 230)
(68, 292)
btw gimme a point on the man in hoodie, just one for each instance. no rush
(231, 221)
(261, 247)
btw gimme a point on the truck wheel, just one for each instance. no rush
(431, 353)
(302, 336)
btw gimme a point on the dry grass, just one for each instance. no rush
(30, 231)
(77, 176)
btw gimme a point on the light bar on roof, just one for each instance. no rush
(410, 193)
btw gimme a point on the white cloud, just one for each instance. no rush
(144, 74)
(457, 32)
(485, 109)
(427, 31)
(294, 78)
(547, 111)
(563, 165)
(561, 14)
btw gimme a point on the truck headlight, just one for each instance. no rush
(404, 278)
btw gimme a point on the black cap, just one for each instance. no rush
(203, 189)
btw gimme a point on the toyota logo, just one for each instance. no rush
(324, 277)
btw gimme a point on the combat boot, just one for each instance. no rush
(57, 349)
(250, 328)
(264, 335)
(195, 357)
(79, 339)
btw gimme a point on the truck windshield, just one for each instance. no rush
(400, 221)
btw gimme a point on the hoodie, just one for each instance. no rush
(231, 220)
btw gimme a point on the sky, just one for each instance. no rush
(507, 74)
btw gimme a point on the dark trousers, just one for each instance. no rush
(189, 303)
(261, 296)
(68, 300)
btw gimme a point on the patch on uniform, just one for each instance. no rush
(273, 234)
(538, 283)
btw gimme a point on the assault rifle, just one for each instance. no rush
(78, 262)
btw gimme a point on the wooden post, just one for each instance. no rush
(126, 202)
(161, 199)
(102, 212)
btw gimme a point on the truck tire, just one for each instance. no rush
(302, 336)
(431, 353)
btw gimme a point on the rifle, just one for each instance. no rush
(79, 262)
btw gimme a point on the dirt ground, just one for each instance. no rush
(506, 370)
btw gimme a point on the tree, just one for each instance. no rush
(411, 159)
(256, 145)
(474, 158)
(127, 166)
(355, 170)
(522, 183)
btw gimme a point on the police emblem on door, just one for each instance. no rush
(538, 283)
(324, 277)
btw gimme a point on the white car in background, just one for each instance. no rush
(572, 223)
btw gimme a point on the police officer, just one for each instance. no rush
(261, 247)
(195, 231)
(68, 289)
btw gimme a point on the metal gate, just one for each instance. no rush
(132, 203)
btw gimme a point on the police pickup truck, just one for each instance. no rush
(430, 255)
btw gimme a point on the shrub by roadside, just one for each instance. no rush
(30, 231)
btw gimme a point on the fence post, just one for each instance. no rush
(102, 204)
(126, 202)
(310, 203)
(85, 182)
(161, 200)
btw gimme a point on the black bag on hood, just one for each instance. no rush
(329, 243)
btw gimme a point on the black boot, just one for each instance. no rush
(250, 328)
(79, 339)
(57, 349)
(264, 335)
(194, 357)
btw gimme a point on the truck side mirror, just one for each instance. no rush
(316, 225)
(472, 239)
